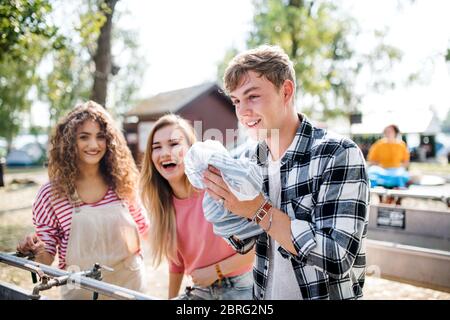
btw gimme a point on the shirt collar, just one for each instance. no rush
(298, 148)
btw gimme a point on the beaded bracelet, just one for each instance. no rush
(219, 273)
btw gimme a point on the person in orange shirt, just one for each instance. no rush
(389, 160)
(389, 152)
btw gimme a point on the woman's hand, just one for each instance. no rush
(31, 243)
(204, 277)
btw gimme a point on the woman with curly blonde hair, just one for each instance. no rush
(89, 212)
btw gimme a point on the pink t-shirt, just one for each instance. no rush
(198, 246)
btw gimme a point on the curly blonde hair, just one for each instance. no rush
(117, 165)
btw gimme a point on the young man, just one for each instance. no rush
(315, 203)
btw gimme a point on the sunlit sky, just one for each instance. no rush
(183, 41)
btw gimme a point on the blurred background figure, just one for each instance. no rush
(389, 160)
(390, 151)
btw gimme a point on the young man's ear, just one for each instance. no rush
(288, 90)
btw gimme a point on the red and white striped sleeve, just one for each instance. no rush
(44, 219)
(139, 216)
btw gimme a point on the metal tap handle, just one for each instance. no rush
(29, 256)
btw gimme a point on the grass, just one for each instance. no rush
(11, 234)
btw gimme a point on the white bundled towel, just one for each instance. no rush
(242, 176)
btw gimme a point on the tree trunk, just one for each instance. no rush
(294, 32)
(102, 58)
(3, 163)
(2, 181)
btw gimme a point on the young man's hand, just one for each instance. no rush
(218, 190)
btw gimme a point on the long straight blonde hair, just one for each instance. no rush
(156, 195)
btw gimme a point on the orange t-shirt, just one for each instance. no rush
(388, 155)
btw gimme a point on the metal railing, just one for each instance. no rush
(50, 277)
(398, 194)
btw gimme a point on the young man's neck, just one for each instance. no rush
(278, 145)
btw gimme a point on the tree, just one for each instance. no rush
(128, 75)
(19, 19)
(72, 78)
(41, 48)
(69, 77)
(102, 57)
(222, 65)
(67, 83)
(25, 37)
(319, 38)
(15, 82)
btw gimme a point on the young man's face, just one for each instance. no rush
(260, 106)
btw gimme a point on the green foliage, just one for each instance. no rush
(221, 66)
(53, 62)
(12, 102)
(314, 38)
(18, 20)
(25, 38)
(67, 83)
(16, 78)
(319, 38)
(89, 27)
(71, 78)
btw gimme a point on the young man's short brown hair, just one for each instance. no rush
(268, 61)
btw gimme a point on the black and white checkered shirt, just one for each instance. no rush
(325, 192)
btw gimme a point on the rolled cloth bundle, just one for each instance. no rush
(242, 176)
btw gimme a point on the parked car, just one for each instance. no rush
(28, 155)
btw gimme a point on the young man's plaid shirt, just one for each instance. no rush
(325, 192)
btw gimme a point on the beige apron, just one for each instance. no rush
(107, 235)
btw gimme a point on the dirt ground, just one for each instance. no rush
(15, 222)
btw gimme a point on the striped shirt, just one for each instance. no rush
(52, 219)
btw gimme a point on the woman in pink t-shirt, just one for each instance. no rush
(179, 230)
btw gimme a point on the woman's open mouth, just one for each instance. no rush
(168, 165)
